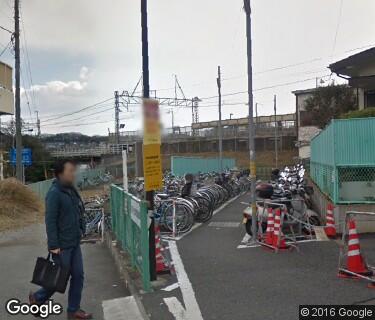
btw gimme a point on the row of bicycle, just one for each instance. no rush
(177, 215)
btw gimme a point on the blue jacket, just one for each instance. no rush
(64, 217)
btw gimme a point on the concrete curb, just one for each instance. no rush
(129, 282)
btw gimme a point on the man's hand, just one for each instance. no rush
(55, 251)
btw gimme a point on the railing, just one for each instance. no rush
(130, 227)
(187, 133)
(95, 151)
(83, 179)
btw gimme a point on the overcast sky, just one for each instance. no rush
(80, 51)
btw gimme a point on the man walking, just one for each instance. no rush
(65, 227)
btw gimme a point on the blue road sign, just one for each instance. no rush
(27, 159)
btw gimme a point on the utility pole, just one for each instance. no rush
(117, 118)
(220, 128)
(146, 94)
(38, 123)
(1, 165)
(1, 155)
(276, 134)
(256, 117)
(247, 8)
(19, 167)
(172, 113)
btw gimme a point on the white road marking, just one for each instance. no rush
(171, 287)
(192, 310)
(320, 234)
(221, 224)
(245, 246)
(175, 307)
(246, 238)
(121, 308)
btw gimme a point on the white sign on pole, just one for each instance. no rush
(125, 169)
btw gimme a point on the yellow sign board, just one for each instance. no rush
(152, 167)
(151, 145)
(151, 122)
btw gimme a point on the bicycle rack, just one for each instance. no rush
(291, 223)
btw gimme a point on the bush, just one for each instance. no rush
(19, 206)
(365, 113)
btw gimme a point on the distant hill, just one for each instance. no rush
(72, 137)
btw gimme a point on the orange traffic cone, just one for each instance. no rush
(270, 228)
(330, 228)
(161, 266)
(355, 261)
(278, 240)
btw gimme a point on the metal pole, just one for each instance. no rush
(220, 129)
(117, 118)
(172, 112)
(276, 134)
(19, 169)
(125, 169)
(256, 118)
(1, 165)
(146, 94)
(251, 120)
(38, 123)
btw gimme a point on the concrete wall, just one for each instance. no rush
(364, 223)
(305, 134)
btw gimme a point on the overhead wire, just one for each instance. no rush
(28, 64)
(6, 48)
(63, 115)
(262, 88)
(337, 26)
(79, 118)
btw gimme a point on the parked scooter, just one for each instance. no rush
(287, 189)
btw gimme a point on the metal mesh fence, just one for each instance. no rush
(323, 175)
(356, 184)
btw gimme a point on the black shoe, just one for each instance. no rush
(33, 301)
(79, 315)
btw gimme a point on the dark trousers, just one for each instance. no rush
(73, 258)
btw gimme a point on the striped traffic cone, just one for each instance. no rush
(278, 240)
(355, 263)
(330, 228)
(161, 265)
(270, 228)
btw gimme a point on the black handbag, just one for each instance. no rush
(50, 275)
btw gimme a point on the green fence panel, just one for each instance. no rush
(41, 188)
(182, 165)
(343, 161)
(130, 227)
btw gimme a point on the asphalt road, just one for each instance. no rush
(254, 283)
(18, 252)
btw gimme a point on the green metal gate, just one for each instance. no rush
(130, 226)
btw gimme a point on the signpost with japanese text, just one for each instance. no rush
(151, 145)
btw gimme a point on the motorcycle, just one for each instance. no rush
(287, 189)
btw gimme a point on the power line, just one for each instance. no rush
(28, 65)
(91, 123)
(79, 118)
(263, 88)
(26, 95)
(6, 29)
(6, 48)
(337, 26)
(63, 115)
